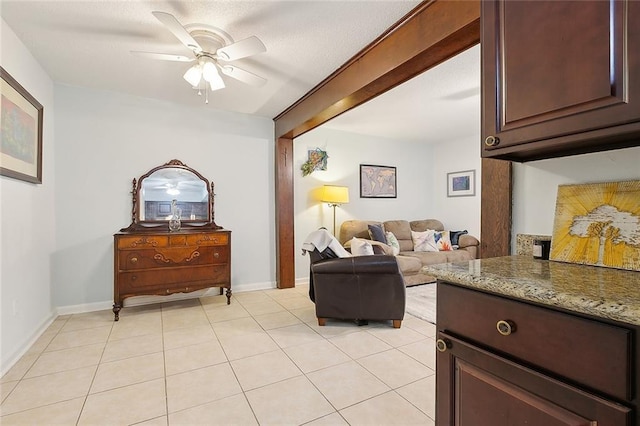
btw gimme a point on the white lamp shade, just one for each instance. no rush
(334, 194)
(211, 75)
(193, 75)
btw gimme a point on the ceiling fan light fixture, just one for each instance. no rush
(211, 76)
(193, 75)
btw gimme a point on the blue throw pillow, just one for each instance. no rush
(455, 235)
(376, 233)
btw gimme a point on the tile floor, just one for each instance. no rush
(261, 360)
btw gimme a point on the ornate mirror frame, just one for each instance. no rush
(140, 223)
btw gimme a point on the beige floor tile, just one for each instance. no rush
(132, 346)
(316, 355)
(88, 320)
(61, 413)
(396, 336)
(261, 308)
(282, 294)
(296, 302)
(221, 313)
(126, 405)
(181, 305)
(264, 369)
(49, 389)
(252, 297)
(277, 320)
(306, 315)
(43, 341)
(333, 419)
(128, 371)
(188, 336)
(219, 300)
(236, 327)
(291, 402)
(293, 335)
(20, 368)
(359, 344)
(421, 326)
(136, 325)
(66, 359)
(233, 410)
(248, 344)
(334, 328)
(423, 351)
(395, 368)
(6, 388)
(73, 339)
(193, 357)
(176, 319)
(422, 394)
(385, 409)
(201, 386)
(58, 323)
(157, 421)
(347, 384)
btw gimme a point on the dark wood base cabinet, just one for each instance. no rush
(503, 362)
(163, 263)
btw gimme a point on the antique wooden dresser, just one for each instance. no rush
(161, 252)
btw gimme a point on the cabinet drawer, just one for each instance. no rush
(210, 239)
(586, 351)
(171, 257)
(172, 277)
(143, 241)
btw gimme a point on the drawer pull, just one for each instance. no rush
(506, 327)
(186, 289)
(491, 141)
(134, 259)
(443, 344)
(216, 255)
(168, 291)
(134, 277)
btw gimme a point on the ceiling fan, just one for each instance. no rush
(212, 49)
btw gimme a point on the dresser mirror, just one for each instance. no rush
(154, 193)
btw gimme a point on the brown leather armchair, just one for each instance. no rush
(357, 288)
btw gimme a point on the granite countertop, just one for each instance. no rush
(602, 292)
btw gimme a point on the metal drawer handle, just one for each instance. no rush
(134, 259)
(506, 327)
(443, 344)
(491, 141)
(216, 254)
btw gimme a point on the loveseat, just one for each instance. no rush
(409, 260)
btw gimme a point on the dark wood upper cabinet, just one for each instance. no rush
(559, 77)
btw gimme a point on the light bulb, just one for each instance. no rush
(193, 75)
(209, 71)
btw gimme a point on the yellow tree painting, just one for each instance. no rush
(598, 224)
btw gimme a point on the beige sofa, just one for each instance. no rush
(411, 262)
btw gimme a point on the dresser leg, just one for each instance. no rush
(228, 295)
(116, 311)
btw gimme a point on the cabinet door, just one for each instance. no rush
(559, 77)
(478, 388)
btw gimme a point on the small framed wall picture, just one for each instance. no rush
(378, 181)
(21, 132)
(461, 184)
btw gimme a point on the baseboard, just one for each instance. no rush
(26, 345)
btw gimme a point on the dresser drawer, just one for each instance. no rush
(134, 281)
(210, 239)
(171, 257)
(142, 241)
(585, 351)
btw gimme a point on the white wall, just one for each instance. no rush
(27, 222)
(535, 184)
(107, 139)
(415, 179)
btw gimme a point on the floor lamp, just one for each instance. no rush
(335, 195)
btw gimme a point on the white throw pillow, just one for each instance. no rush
(393, 242)
(424, 241)
(361, 247)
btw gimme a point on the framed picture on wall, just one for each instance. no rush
(20, 133)
(377, 181)
(461, 184)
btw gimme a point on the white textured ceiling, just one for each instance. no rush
(88, 43)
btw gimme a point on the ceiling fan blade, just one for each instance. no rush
(178, 30)
(242, 75)
(162, 56)
(241, 49)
